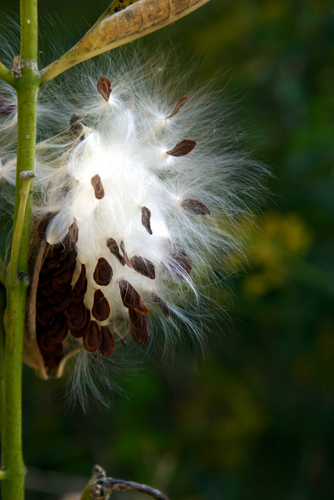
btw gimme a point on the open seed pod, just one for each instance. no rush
(46, 364)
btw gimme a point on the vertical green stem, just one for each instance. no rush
(2, 353)
(26, 85)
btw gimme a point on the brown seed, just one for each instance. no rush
(80, 321)
(43, 225)
(79, 297)
(43, 316)
(80, 283)
(130, 297)
(58, 296)
(77, 125)
(57, 322)
(182, 148)
(63, 303)
(66, 263)
(103, 272)
(143, 266)
(126, 258)
(41, 301)
(114, 249)
(47, 343)
(62, 280)
(73, 234)
(104, 87)
(77, 334)
(48, 289)
(107, 346)
(72, 310)
(142, 308)
(61, 333)
(98, 186)
(177, 264)
(92, 338)
(139, 327)
(163, 305)
(101, 307)
(7, 107)
(44, 279)
(178, 106)
(195, 207)
(146, 219)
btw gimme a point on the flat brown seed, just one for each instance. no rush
(146, 219)
(78, 334)
(80, 321)
(182, 148)
(98, 186)
(143, 266)
(7, 107)
(162, 304)
(72, 310)
(130, 297)
(104, 87)
(139, 327)
(80, 283)
(47, 343)
(73, 234)
(61, 334)
(107, 346)
(101, 307)
(177, 264)
(92, 338)
(62, 304)
(57, 323)
(142, 308)
(114, 249)
(43, 225)
(195, 207)
(77, 125)
(103, 272)
(178, 106)
(58, 296)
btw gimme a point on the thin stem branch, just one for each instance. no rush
(7, 75)
(18, 233)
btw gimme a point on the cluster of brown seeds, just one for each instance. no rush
(60, 307)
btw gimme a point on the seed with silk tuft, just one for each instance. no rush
(138, 197)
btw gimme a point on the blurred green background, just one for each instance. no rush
(254, 419)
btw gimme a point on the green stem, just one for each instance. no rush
(7, 75)
(2, 354)
(2, 272)
(3, 474)
(27, 89)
